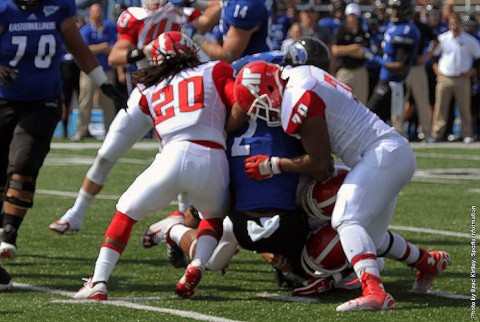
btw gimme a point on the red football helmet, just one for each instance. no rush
(171, 44)
(323, 254)
(318, 199)
(258, 91)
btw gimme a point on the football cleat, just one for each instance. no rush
(8, 239)
(374, 297)
(175, 256)
(157, 233)
(65, 223)
(429, 266)
(187, 285)
(7, 251)
(314, 286)
(90, 291)
(5, 280)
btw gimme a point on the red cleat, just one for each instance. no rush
(188, 283)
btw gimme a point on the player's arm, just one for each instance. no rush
(101, 48)
(235, 43)
(120, 52)
(209, 18)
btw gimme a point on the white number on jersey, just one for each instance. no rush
(239, 149)
(46, 49)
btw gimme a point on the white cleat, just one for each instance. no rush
(7, 251)
(89, 291)
(64, 224)
(157, 233)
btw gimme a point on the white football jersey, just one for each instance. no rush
(190, 106)
(352, 127)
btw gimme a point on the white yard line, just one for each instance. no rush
(432, 231)
(123, 303)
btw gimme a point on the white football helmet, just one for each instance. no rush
(318, 199)
(323, 254)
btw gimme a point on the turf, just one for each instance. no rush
(247, 292)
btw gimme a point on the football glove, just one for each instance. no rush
(134, 55)
(261, 167)
(314, 286)
(109, 90)
(7, 75)
(189, 30)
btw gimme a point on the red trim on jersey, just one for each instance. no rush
(195, 14)
(222, 75)
(143, 103)
(309, 105)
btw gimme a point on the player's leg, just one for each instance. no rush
(143, 197)
(30, 144)
(428, 263)
(128, 127)
(205, 179)
(365, 204)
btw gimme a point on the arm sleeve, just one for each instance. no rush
(222, 75)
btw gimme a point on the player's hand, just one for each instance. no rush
(7, 75)
(314, 286)
(188, 29)
(182, 3)
(113, 93)
(261, 167)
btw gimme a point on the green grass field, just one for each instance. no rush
(49, 267)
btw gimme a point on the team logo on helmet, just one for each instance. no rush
(298, 53)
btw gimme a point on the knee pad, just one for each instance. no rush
(21, 203)
(100, 170)
(212, 227)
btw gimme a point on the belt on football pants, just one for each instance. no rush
(208, 144)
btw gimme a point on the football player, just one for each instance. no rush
(244, 27)
(326, 117)
(31, 37)
(192, 160)
(400, 44)
(137, 28)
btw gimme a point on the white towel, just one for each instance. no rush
(268, 226)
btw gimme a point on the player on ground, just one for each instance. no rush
(323, 113)
(190, 121)
(31, 37)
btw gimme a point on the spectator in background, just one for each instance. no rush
(417, 84)
(280, 26)
(100, 35)
(294, 33)
(70, 80)
(348, 46)
(337, 16)
(308, 19)
(458, 50)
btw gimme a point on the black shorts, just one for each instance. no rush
(288, 240)
(26, 130)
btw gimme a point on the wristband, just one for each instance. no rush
(97, 75)
(134, 55)
(275, 165)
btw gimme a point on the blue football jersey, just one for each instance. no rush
(399, 35)
(274, 57)
(31, 42)
(247, 14)
(278, 192)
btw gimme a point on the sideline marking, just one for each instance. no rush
(433, 231)
(122, 303)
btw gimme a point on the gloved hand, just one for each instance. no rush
(261, 167)
(7, 75)
(134, 55)
(182, 3)
(189, 30)
(113, 93)
(314, 286)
